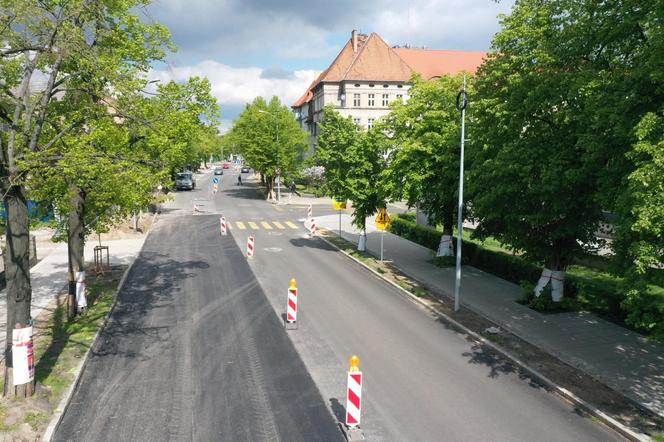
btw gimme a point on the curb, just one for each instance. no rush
(64, 402)
(561, 391)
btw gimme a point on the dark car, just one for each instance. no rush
(185, 181)
(244, 169)
(218, 171)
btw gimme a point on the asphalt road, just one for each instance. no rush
(196, 349)
(423, 381)
(193, 351)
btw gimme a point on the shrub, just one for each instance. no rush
(644, 307)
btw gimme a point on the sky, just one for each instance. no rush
(250, 48)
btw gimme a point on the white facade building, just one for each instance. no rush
(368, 75)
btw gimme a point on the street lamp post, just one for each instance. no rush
(461, 103)
(276, 120)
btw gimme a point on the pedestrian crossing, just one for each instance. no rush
(263, 225)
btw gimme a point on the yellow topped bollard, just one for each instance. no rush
(293, 283)
(354, 362)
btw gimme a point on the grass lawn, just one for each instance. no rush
(59, 347)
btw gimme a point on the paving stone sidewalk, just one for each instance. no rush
(618, 357)
(49, 276)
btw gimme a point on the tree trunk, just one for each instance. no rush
(76, 245)
(17, 265)
(446, 246)
(554, 274)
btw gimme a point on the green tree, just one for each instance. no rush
(269, 138)
(67, 42)
(354, 161)
(424, 163)
(553, 125)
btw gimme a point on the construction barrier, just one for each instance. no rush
(312, 226)
(291, 304)
(222, 226)
(310, 212)
(354, 393)
(250, 247)
(81, 302)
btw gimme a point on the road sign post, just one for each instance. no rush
(382, 224)
(340, 205)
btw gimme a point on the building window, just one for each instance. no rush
(399, 96)
(356, 100)
(386, 85)
(399, 86)
(371, 100)
(357, 84)
(370, 123)
(371, 85)
(357, 121)
(386, 100)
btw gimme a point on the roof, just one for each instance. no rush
(375, 60)
(432, 63)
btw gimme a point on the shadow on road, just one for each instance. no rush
(154, 282)
(338, 410)
(314, 243)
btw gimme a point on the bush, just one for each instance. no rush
(511, 268)
(645, 310)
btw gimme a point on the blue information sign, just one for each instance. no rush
(215, 180)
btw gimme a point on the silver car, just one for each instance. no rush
(185, 181)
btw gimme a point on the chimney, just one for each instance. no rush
(353, 36)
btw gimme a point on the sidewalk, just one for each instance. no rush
(49, 276)
(618, 357)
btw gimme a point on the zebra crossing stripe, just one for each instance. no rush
(240, 225)
(266, 225)
(253, 225)
(278, 225)
(291, 225)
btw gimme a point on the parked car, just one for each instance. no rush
(218, 171)
(227, 166)
(244, 169)
(185, 181)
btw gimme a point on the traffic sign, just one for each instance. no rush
(215, 180)
(339, 204)
(383, 219)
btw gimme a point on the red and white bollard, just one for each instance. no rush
(222, 226)
(310, 212)
(81, 302)
(250, 247)
(312, 226)
(291, 305)
(354, 394)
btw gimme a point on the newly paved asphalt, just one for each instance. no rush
(196, 349)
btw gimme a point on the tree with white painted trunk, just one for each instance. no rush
(557, 103)
(354, 162)
(424, 162)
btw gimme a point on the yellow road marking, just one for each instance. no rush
(278, 224)
(253, 225)
(240, 225)
(291, 225)
(266, 225)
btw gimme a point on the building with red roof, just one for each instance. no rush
(368, 74)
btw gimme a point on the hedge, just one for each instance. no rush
(506, 266)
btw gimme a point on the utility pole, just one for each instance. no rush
(461, 103)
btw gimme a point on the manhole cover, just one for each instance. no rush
(273, 249)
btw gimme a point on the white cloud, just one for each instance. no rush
(233, 87)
